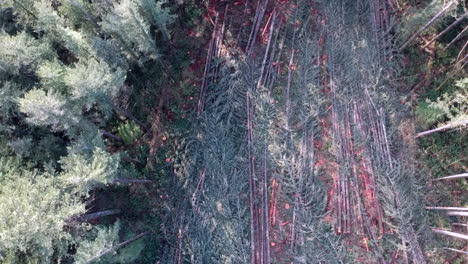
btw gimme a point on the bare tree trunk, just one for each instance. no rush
(262, 71)
(456, 176)
(130, 181)
(447, 29)
(89, 217)
(288, 87)
(251, 180)
(461, 52)
(457, 37)
(209, 56)
(448, 208)
(458, 213)
(457, 250)
(261, 8)
(415, 248)
(110, 135)
(118, 246)
(443, 128)
(265, 209)
(428, 24)
(449, 233)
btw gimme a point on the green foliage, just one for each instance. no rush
(428, 114)
(129, 253)
(450, 106)
(93, 83)
(415, 18)
(127, 24)
(106, 238)
(48, 109)
(62, 67)
(34, 210)
(51, 75)
(157, 15)
(129, 132)
(9, 92)
(88, 171)
(21, 51)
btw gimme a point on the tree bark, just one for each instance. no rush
(451, 177)
(449, 233)
(118, 246)
(428, 24)
(457, 250)
(89, 217)
(447, 208)
(457, 37)
(447, 29)
(457, 213)
(110, 135)
(443, 128)
(130, 181)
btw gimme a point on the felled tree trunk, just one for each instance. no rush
(428, 24)
(443, 128)
(89, 217)
(451, 177)
(130, 181)
(450, 233)
(118, 246)
(447, 208)
(447, 29)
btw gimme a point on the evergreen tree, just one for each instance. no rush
(22, 52)
(35, 208)
(452, 107)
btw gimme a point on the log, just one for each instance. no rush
(447, 29)
(447, 208)
(457, 37)
(209, 56)
(428, 24)
(118, 246)
(92, 216)
(443, 128)
(110, 135)
(450, 233)
(451, 177)
(454, 213)
(130, 181)
(253, 248)
(457, 250)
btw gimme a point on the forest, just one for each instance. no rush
(233, 131)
